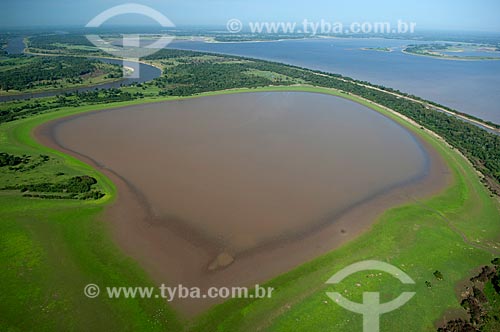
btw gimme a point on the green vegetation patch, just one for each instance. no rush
(12, 161)
(188, 79)
(71, 44)
(78, 187)
(481, 301)
(22, 73)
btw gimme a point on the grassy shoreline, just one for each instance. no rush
(63, 228)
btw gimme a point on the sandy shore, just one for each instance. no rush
(177, 255)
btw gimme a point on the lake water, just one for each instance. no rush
(468, 86)
(15, 45)
(243, 170)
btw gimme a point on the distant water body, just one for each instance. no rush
(15, 45)
(471, 87)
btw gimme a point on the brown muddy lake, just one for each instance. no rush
(269, 179)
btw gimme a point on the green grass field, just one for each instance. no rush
(50, 249)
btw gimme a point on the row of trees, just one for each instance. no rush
(12, 160)
(77, 184)
(78, 187)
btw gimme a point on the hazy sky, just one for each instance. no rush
(480, 15)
